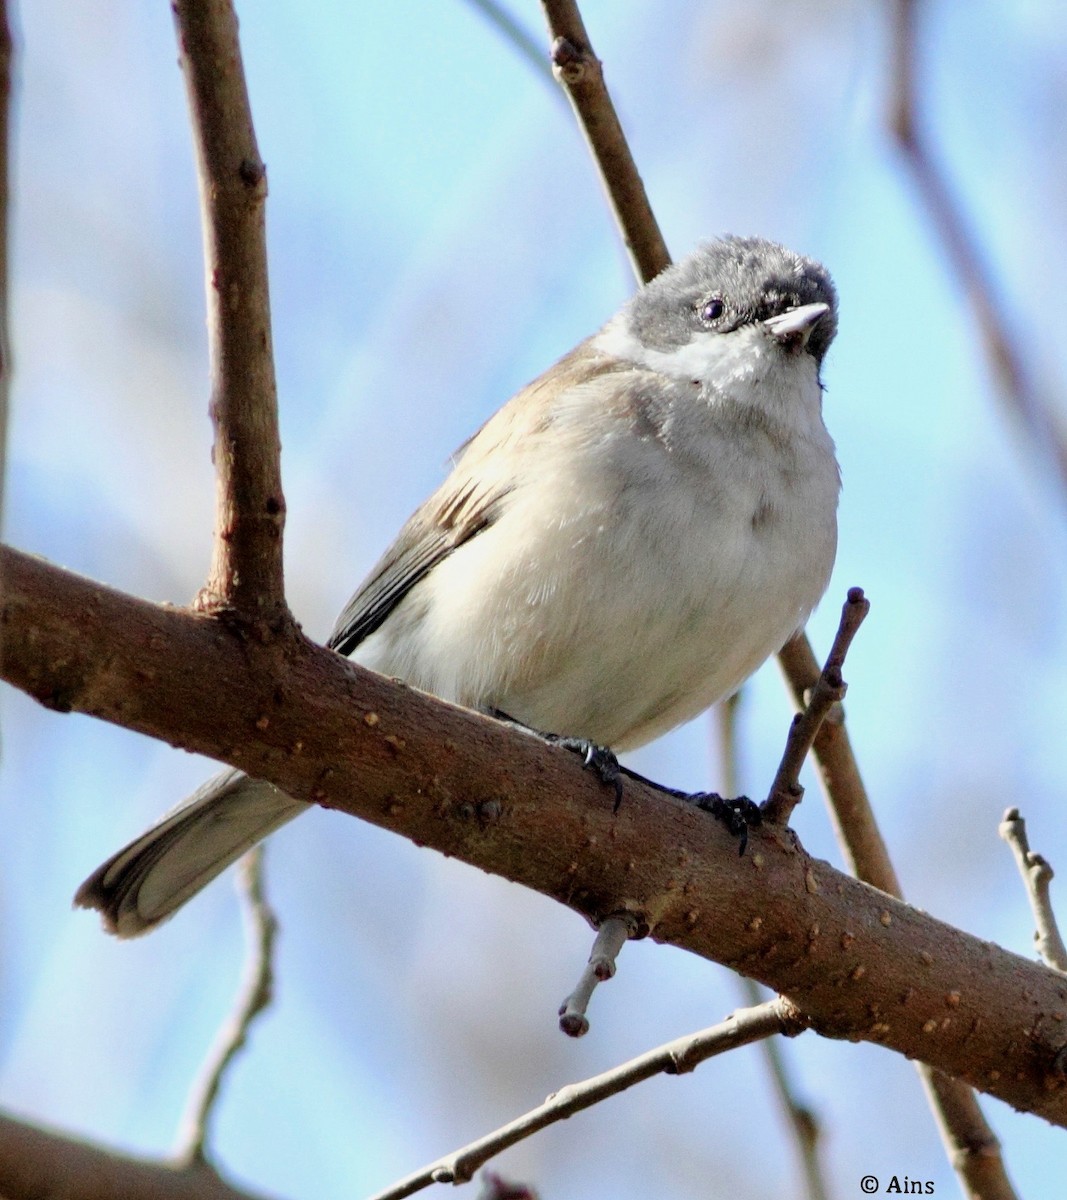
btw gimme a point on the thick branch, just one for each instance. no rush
(860, 964)
(35, 1163)
(246, 571)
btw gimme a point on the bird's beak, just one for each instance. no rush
(796, 324)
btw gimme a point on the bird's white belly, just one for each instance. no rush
(633, 618)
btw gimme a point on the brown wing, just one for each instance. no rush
(468, 501)
(433, 532)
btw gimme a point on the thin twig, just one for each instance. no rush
(246, 571)
(802, 1120)
(675, 1058)
(6, 55)
(857, 832)
(580, 72)
(1019, 396)
(829, 689)
(610, 939)
(255, 996)
(1037, 874)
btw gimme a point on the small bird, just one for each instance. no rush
(618, 547)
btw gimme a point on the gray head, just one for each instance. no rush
(730, 283)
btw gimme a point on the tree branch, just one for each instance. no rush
(1037, 874)
(857, 834)
(800, 1118)
(674, 1058)
(1019, 396)
(972, 1146)
(582, 76)
(829, 689)
(609, 941)
(7, 52)
(859, 964)
(255, 995)
(36, 1163)
(246, 570)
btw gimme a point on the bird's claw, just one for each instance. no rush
(739, 815)
(598, 759)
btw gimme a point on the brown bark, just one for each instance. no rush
(36, 1162)
(246, 569)
(859, 963)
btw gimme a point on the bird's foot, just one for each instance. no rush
(598, 759)
(739, 815)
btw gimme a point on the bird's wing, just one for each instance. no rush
(468, 501)
(450, 518)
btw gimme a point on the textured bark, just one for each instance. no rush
(860, 964)
(246, 569)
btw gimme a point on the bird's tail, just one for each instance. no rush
(146, 881)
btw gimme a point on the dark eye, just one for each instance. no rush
(711, 310)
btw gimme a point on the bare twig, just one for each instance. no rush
(675, 1058)
(802, 1120)
(1037, 874)
(1019, 396)
(850, 810)
(254, 996)
(246, 572)
(6, 56)
(829, 690)
(610, 939)
(579, 71)
(973, 1148)
(725, 716)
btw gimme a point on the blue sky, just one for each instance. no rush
(437, 237)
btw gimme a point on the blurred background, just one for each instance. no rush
(437, 237)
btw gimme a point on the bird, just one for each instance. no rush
(617, 548)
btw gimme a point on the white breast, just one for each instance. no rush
(632, 580)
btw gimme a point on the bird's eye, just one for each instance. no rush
(711, 310)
